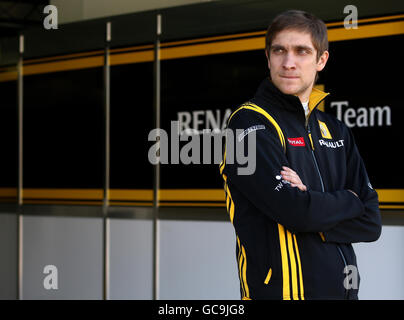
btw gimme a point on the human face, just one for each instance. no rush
(293, 64)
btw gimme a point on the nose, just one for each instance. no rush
(289, 61)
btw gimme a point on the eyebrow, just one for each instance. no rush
(276, 46)
(298, 47)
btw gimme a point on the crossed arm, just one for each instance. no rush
(365, 228)
(291, 176)
(343, 216)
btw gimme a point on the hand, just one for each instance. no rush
(292, 177)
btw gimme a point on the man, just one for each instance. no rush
(309, 198)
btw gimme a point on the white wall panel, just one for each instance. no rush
(198, 260)
(381, 265)
(73, 245)
(131, 259)
(8, 256)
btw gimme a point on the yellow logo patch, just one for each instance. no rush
(324, 130)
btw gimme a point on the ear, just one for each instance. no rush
(322, 61)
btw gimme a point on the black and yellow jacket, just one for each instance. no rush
(294, 244)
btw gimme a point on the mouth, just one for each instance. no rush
(289, 76)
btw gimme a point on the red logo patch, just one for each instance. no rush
(297, 142)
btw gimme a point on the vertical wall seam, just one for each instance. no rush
(107, 107)
(156, 182)
(20, 90)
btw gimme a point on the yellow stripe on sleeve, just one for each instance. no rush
(247, 291)
(230, 204)
(240, 263)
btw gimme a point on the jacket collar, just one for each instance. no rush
(316, 96)
(269, 95)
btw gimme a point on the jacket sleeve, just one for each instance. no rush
(367, 227)
(296, 210)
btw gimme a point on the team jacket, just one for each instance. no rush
(294, 244)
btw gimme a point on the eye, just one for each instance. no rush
(278, 50)
(303, 51)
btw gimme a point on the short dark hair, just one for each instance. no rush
(299, 21)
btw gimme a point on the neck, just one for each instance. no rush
(305, 96)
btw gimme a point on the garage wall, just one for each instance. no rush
(197, 259)
(380, 265)
(8, 256)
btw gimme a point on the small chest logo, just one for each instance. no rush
(324, 130)
(297, 142)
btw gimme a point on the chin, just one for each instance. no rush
(287, 86)
(288, 89)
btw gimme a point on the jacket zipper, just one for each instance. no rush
(314, 158)
(323, 190)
